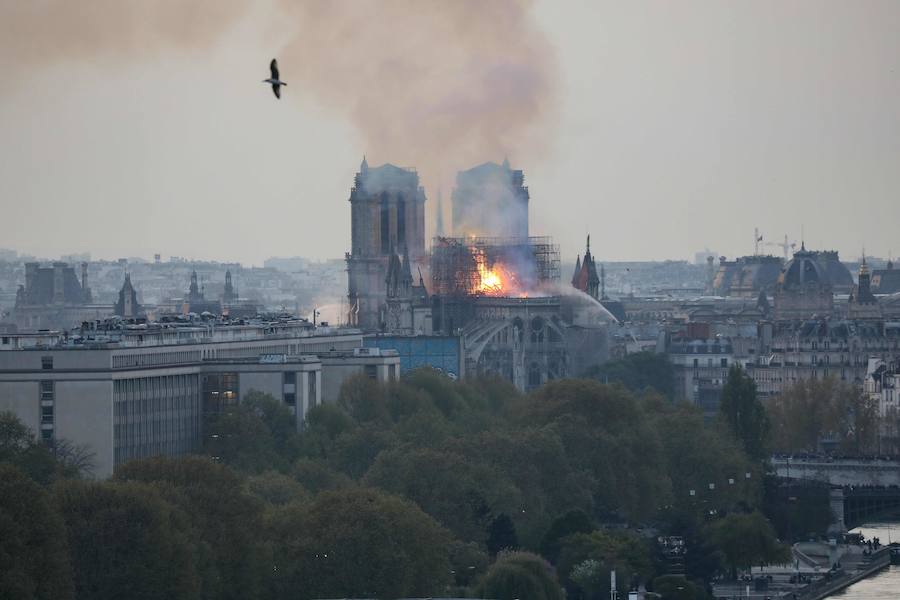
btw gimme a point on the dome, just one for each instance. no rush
(802, 271)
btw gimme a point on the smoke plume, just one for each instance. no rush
(436, 85)
(39, 32)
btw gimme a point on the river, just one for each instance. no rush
(884, 584)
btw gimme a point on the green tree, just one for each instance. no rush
(501, 535)
(254, 436)
(677, 587)
(19, 447)
(126, 542)
(316, 476)
(323, 424)
(588, 576)
(608, 439)
(34, 560)
(226, 519)
(358, 543)
(276, 488)
(623, 552)
(744, 413)
(354, 451)
(815, 410)
(698, 454)
(747, 539)
(574, 521)
(468, 562)
(638, 372)
(520, 575)
(363, 399)
(462, 495)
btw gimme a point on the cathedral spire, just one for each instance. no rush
(577, 270)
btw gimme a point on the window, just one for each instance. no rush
(371, 371)
(696, 363)
(724, 362)
(290, 398)
(47, 414)
(312, 388)
(46, 362)
(290, 378)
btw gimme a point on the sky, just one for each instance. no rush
(660, 128)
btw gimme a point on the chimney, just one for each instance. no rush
(59, 290)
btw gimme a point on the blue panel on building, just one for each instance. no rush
(438, 352)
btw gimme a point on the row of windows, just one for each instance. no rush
(156, 416)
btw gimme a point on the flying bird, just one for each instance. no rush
(274, 80)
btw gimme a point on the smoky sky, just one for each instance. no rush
(129, 128)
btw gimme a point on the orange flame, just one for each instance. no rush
(496, 279)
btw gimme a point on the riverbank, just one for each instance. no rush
(812, 563)
(836, 581)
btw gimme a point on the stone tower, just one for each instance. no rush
(229, 296)
(387, 211)
(127, 305)
(490, 200)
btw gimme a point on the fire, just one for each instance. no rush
(496, 279)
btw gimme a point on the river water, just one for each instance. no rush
(886, 583)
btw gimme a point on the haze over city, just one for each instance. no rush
(662, 128)
(497, 299)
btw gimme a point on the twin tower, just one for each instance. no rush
(388, 220)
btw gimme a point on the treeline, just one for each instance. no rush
(421, 487)
(813, 415)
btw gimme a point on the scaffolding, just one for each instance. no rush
(457, 264)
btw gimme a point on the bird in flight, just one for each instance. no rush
(274, 80)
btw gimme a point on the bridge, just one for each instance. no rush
(861, 488)
(842, 472)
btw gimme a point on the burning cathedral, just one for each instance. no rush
(489, 284)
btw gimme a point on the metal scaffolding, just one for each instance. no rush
(456, 262)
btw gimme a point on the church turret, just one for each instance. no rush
(229, 294)
(862, 303)
(577, 270)
(127, 305)
(586, 278)
(194, 290)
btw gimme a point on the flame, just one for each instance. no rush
(496, 279)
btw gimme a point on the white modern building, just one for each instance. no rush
(134, 391)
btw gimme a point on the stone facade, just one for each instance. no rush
(387, 207)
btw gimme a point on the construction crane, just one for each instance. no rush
(785, 246)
